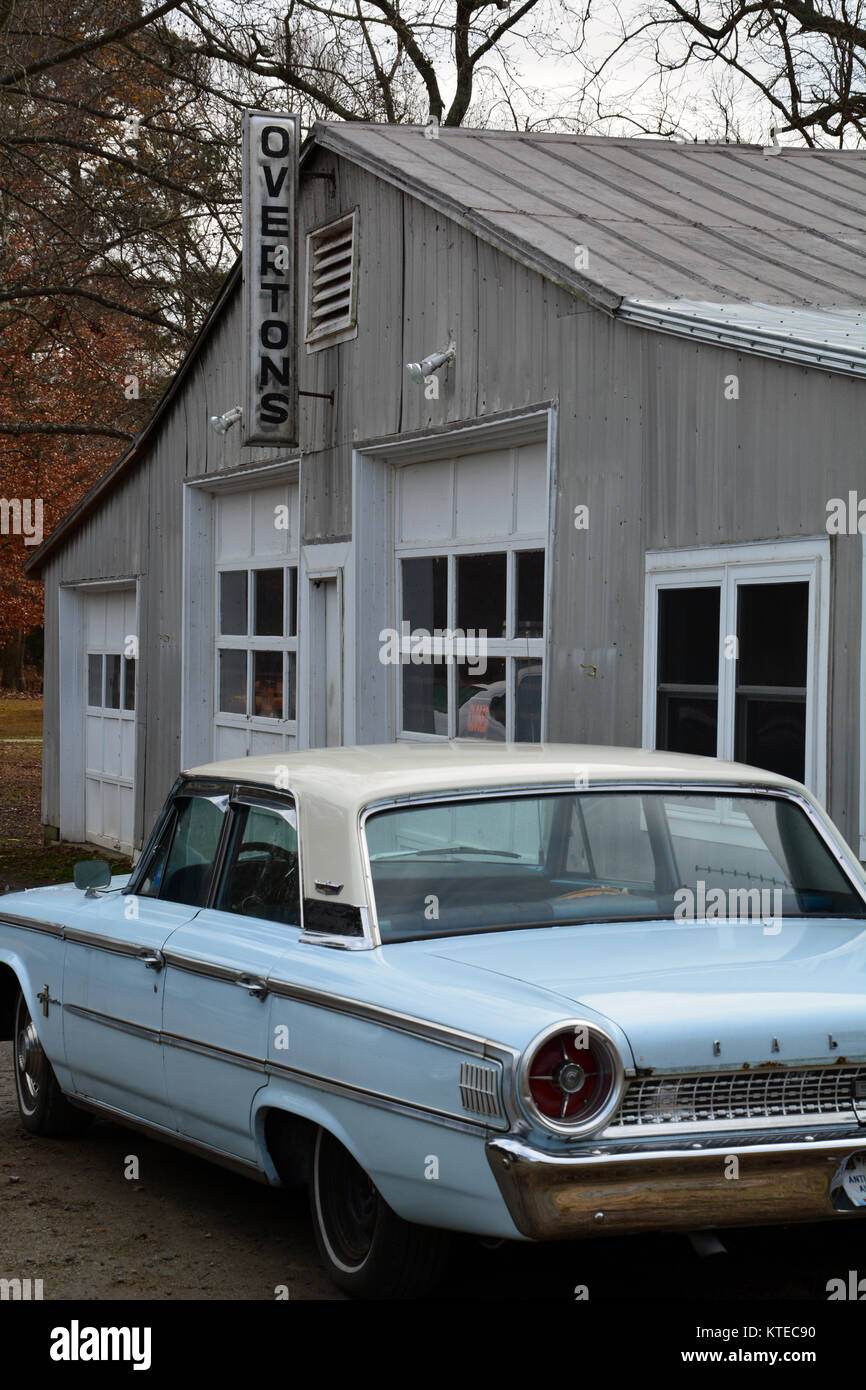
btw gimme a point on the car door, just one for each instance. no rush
(114, 962)
(216, 1011)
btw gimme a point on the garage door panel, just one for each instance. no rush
(111, 747)
(532, 487)
(485, 501)
(109, 730)
(425, 502)
(127, 755)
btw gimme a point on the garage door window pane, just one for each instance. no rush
(425, 592)
(268, 603)
(481, 593)
(293, 605)
(527, 706)
(128, 682)
(112, 682)
(530, 593)
(425, 699)
(268, 684)
(481, 701)
(233, 682)
(291, 685)
(233, 603)
(94, 680)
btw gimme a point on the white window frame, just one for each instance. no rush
(763, 562)
(250, 644)
(328, 335)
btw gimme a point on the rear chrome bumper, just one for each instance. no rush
(686, 1184)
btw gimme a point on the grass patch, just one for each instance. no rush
(20, 718)
(37, 866)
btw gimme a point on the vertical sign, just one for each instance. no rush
(270, 188)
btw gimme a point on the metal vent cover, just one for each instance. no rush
(479, 1089)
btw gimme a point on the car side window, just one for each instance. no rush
(261, 873)
(182, 865)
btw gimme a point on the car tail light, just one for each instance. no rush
(571, 1078)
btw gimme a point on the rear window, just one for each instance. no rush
(500, 862)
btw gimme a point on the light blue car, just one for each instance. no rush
(526, 992)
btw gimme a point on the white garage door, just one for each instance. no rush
(470, 536)
(255, 621)
(109, 718)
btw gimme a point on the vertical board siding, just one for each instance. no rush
(646, 440)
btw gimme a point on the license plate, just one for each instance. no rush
(848, 1188)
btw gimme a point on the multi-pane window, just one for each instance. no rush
(488, 683)
(737, 665)
(110, 681)
(257, 642)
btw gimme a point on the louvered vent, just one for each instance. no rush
(331, 276)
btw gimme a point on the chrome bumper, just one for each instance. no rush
(620, 1189)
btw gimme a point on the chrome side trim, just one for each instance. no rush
(99, 942)
(109, 1021)
(219, 1054)
(379, 1100)
(277, 1069)
(391, 1018)
(13, 919)
(171, 1136)
(209, 969)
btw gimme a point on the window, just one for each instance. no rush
(257, 642)
(737, 650)
(181, 863)
(261, 874)
(498, 862)
(332, 273)
(494, 600)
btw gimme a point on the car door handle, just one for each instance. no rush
(253, 987)
(152, 960)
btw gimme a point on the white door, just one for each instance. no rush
(326, 660)
(109, 717)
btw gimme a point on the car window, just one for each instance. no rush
(261, 873)
(182, 864)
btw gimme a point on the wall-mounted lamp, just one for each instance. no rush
(223, 423)
(428, 365)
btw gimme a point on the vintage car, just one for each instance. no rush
(526, 992)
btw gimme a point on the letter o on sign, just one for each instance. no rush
(283, 138)
(274, 333)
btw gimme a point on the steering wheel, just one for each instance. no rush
(272, 883)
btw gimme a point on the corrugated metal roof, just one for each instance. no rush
(728, 224)
(831, 338)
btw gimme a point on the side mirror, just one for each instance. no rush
(92, 874)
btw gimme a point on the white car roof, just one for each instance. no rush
(350, 778)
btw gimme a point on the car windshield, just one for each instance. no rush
(498, 862)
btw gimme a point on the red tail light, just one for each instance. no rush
(571, 1078)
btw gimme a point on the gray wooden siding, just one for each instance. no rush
(646, 439)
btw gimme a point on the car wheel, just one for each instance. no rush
(42, 1105)
(368, 1250)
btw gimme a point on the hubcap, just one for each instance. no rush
(31, 1061)
(349, 1204)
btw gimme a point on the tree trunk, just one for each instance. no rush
(12, 662)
